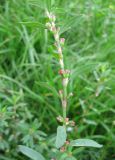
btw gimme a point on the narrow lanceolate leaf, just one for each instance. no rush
(85, 143)
(30, 153)
(61, 136)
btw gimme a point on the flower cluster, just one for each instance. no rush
(59, 43)
(63, 149)
(66, 121)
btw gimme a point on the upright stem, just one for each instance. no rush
(65, 99)
(63, 72)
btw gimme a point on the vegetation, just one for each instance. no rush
(62, 143)
(30, 83)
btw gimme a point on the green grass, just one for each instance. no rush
(29, 80)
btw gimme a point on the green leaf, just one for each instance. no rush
(30, 153)
(85, 143)
(61, 136)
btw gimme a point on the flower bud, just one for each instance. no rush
(67, 121)
(62, 40)
(48, 25)
(67, 72)
(67, 142)
(60, 119)
(61, 94)
(53, 24)
(59, 50)
(61, 72)
(48, 14)
(53, 17)
(62, 149)
(53, 29)
(72, 123)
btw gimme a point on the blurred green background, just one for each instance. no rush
(29, 80)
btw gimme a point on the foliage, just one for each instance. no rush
(27, 75)
(31, 153)
(62, 143)
(61, 136)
